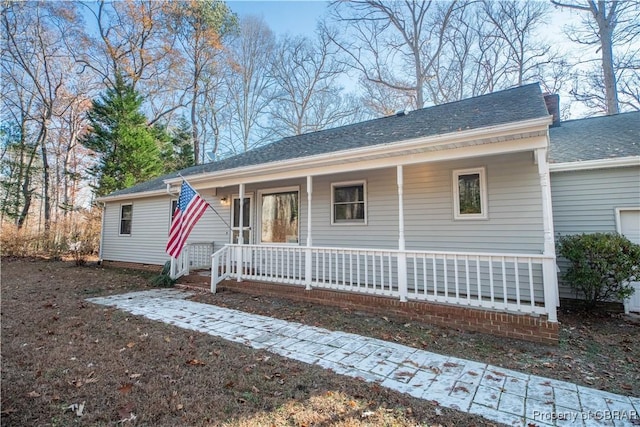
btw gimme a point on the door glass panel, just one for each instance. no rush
(247, 218)
(246, 212)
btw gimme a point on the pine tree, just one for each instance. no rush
(127, 148)
(177, 150)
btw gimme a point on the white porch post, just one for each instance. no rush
(173, 270)
(307, 253)
(549, 274)
(402, 256)
(239, 262)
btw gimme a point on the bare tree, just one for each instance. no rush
(133, 40)
(308, 96)
(35, 43)
(514, 23)
(606, 25)
(249, 83)
(395, 44)
(199, 27)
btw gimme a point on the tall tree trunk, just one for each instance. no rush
(194, 123)
(606, 37)
(45, 178)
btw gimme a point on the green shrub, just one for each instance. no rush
(164, 280)
(602, 265)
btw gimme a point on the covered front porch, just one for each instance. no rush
(405, 236)
(501, 281)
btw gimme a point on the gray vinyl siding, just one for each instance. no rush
(150, 228)
(514, 206)
(585, 202)
(514, 221)
(381, 229)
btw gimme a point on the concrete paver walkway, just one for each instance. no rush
(498, 394)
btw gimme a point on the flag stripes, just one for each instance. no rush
(189, 209)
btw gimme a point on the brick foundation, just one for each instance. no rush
(519, 326)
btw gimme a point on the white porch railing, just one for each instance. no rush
(509, 282)
(194, 256)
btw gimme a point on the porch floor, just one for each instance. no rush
(498, 394)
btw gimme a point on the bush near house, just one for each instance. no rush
(602, 265)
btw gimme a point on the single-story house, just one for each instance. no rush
(445, 212)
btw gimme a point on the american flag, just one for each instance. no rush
(188, 211)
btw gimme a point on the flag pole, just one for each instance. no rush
(209, 204)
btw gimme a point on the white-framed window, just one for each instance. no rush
(279, 215)
(470, 194)
(349, 203)
(126, 217)
(172, 211)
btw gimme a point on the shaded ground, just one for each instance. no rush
(62, 357)
(595, 350)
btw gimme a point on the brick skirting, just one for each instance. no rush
(519, 326)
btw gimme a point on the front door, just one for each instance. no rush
(247, 213)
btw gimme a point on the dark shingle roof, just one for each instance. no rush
(507, 106)
(596, 138)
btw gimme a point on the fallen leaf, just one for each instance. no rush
(125, 388)
(132, 376)
(195, 362)
(34, 394)
(229, 384)
(179, 406)
(131, 344)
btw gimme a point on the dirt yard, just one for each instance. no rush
(68, 362)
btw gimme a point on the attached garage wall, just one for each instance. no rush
(586, 202)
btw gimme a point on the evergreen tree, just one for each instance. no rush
(127, 148)
(177, 151)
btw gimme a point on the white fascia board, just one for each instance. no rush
(618, 162)
(321, 162)
(141, 195)
(234, 177)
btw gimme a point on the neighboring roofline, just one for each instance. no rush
(342, 156)
(617, 162)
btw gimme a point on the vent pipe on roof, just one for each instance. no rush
(553, 107)
(401, 113)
